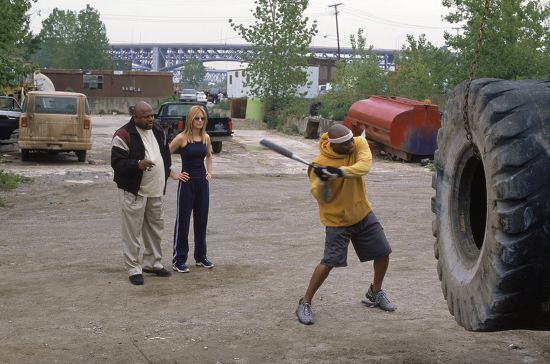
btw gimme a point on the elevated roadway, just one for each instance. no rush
(172, 56)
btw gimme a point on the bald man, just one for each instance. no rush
(338, 184)
(141, 160)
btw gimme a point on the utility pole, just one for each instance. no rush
(335, 6)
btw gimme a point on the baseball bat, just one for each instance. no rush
(327, 192)
(283, 151)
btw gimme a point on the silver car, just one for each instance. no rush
(201, 97)
(188, 94)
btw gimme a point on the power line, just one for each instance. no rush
(377, 19)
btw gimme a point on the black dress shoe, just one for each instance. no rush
(159, 272)
(136, 279)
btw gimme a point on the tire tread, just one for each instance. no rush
(510, 123)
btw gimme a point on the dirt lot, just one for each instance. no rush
(65, 296)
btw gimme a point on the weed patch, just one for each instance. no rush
(10, 181)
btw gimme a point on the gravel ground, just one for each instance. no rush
(65, 296)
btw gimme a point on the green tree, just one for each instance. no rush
(58, 38)
(515, 40)
(16, 42)
(362, 75)
(277, 63)
(192, 74)
(423, 70)
(74, 40)
(91, 40)
(356, 79)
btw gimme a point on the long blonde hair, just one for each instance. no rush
(193, 112)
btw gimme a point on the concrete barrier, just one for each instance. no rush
(108, 105)
(310, 127)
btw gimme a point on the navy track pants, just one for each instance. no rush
(193, 197)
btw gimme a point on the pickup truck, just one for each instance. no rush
(171, 116)
(9, 116)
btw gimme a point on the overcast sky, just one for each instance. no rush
(385, 22)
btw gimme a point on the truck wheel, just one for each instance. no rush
(492, 212)
(81, 154)
(216, 147)
(25, 155)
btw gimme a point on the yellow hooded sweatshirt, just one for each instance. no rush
(350, 203)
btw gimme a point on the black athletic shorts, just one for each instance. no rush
(367, 237)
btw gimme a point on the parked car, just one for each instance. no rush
(215, 94)
(56, 122)
(9, 116)
(171, 116)
(188, 94)
(201, 97)
(329, 87)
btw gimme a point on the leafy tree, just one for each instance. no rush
(515, 40)
(361, 76)
(58, 38)
(192, 74)
(423, 70)
(356, 79)
(91, 40)
(16, 42)
(280, 37)
(74, 40)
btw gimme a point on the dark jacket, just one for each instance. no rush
(128, 148)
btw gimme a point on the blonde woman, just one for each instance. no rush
(193, 145)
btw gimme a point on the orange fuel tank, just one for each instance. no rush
(404, 127)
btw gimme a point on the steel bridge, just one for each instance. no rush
(173, 56)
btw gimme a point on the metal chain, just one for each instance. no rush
(473, 67)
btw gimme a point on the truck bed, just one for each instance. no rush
(171, 116)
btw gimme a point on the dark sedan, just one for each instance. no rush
(9, 116)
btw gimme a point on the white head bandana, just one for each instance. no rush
(341, 139)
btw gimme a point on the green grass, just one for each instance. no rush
(10, 181)
(430, 166)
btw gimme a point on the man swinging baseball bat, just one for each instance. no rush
(347, 216)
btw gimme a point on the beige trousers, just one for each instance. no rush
(142, 225)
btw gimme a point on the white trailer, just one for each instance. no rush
(237, 77)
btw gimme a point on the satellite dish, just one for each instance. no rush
(42, 82)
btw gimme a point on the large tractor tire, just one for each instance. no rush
(492, 206)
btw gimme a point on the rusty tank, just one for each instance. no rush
(403, 128)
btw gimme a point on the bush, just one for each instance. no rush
(279, 111)
(335, 105)
(9, 181)
(297, 107)
(223, 104)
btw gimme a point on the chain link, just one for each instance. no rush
(473, 67)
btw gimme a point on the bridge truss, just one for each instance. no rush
(172, 57)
